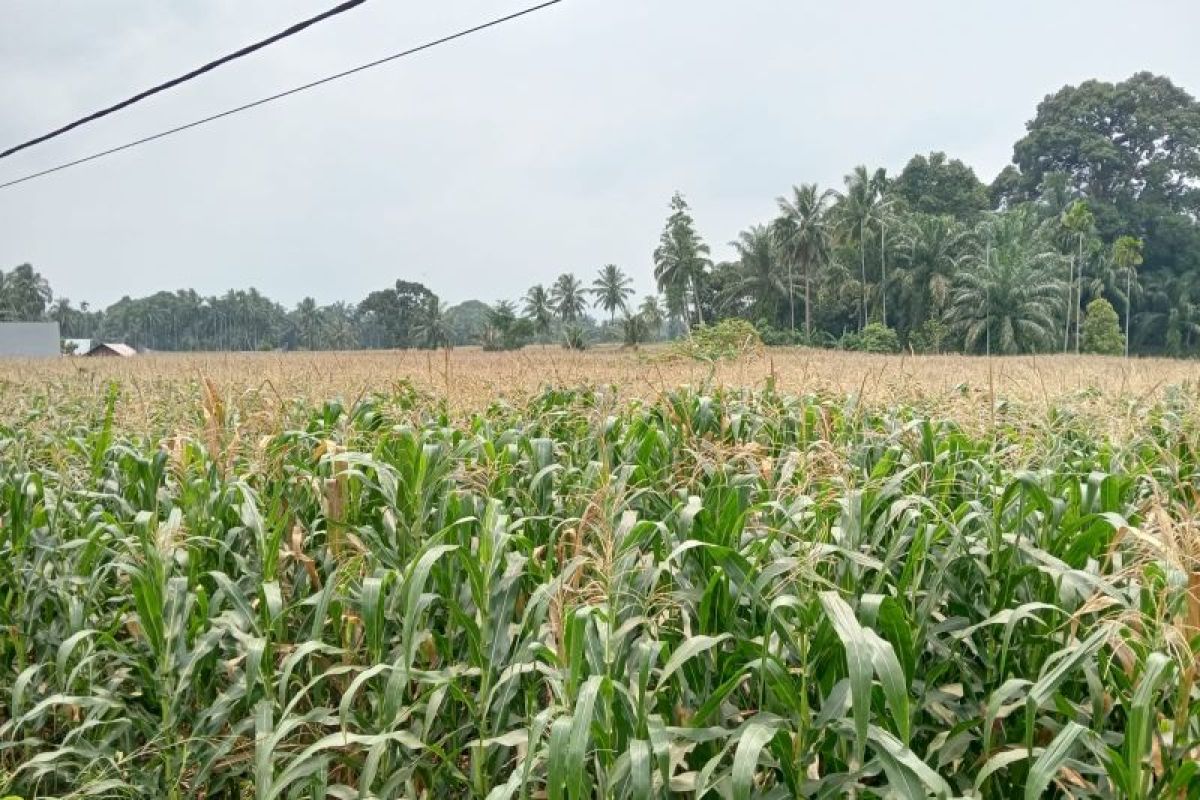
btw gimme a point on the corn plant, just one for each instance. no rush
(718, 593)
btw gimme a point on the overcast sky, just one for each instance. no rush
(548, 145)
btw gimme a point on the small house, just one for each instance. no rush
(110, 350)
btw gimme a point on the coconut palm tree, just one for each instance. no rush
(433, 330)
(857, 210)
(611, 290)
(884, 217)
(803, 234)
(61, 312)
(652, 313)
(338, 324)
(758, 273)
(503, 313)
(1080, 223)
(1127, 256)
(309, 322)
(1005, 297)
(567, 298)
(539, 310)
(24, 294)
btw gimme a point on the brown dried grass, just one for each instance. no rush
(264, 389)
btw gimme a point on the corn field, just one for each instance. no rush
(711, 593)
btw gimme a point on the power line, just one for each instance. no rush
(245, 51)
(230, 112)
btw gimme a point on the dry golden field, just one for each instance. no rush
(164, 392)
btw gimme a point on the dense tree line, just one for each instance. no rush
(1099, 212)
(402, 316)
(1101, 204)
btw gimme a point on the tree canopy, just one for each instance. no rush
(938, 185)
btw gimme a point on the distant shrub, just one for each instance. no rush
(506, 334)
(573, 338)
(1102, 329)
(729, 338)
(782, 337)
(634, 329)
(776, 337)
(931, 336)
(875, 338)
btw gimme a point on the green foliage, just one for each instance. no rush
(567, 298)
(24, 295)
(1127, 253)
(717, 593)
(467, 321)
(1007, 296)
(1109, 138)
(804, 234)
(505, 330)
(680, 261)
(399, 311)
(760, 280)
(875, 338)
(777, 337)
(940, 186)
(1102, 330)
(635, 330)
(434, 327)
(612, 290)
(931, 337)
(573, 338)
(729, 338)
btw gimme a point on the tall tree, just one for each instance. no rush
(1172, 311)
(857, 211)
(1080, 223)
(681, 257)
(338, 328)
(1007, 293)
(567, 298)
(804, 237)
(611, 290)
(884, 216)
(1137, 139)
(652, 313)
(1127, 255)
(931, 252)
(539, 310)
(758, 276)
(433, 330)
(309, 322)
(24, 294)
(399, 310)
(937, 185)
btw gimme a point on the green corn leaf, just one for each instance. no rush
(859, 658)
(745, 758)
(1043, 770)
(1143, 712)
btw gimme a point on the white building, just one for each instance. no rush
(29, 340)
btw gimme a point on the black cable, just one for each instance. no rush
(265, 100)
(245, 51)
